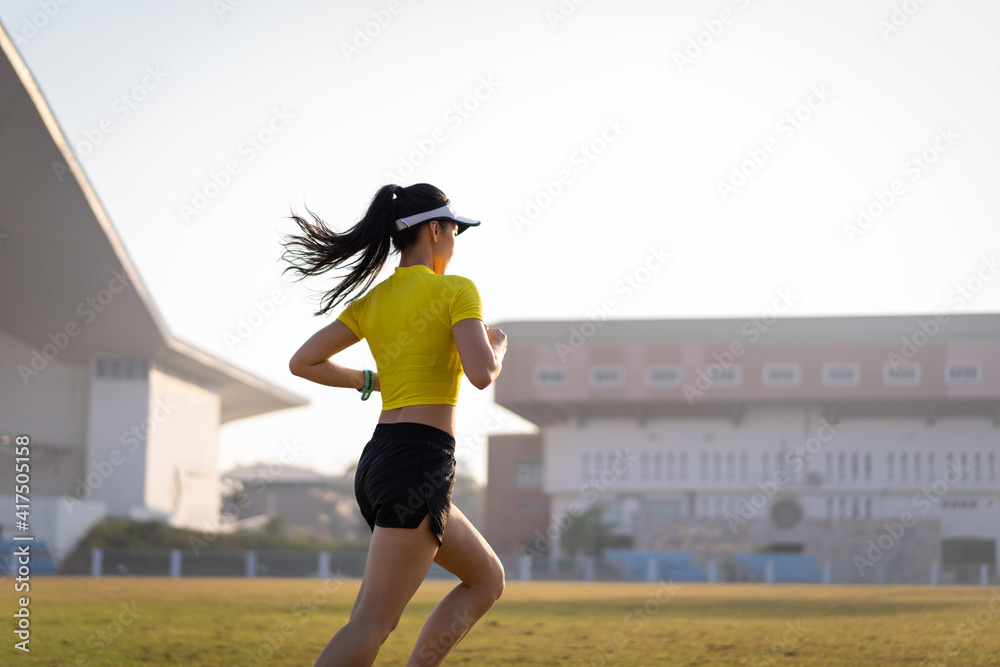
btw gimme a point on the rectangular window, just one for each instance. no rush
(963, 373)
(916, 467)
(684, 466)
(841, 467)
(897, 374)
(723, 376)
(670, 466)
(854, 467)
(868, 467)
(930, 466)
(717, 470)
(644, 467)
(978, 466)
(890, 463)
(704, 466)
(782, 375)
(965, 468)
(610, 375)
(993, 474)
(868, 508)
(550, 376)
(528, 474)
(855, 513)
(765, 464)
(744, 467)
(585, 466)
(730, 467)
(902, 468)
(841, 374)
(657, 466)
(829, 467)
(664, 376)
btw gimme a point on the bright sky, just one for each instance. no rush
(739, 137)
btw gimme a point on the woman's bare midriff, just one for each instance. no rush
(440, 416)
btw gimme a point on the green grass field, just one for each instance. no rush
(160, 621)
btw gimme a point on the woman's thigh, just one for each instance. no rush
(398, 561)
(465, 553)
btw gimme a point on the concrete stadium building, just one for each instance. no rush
(870, 443)
(123, 418)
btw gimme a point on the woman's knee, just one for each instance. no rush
(374, 626)
(497, 578)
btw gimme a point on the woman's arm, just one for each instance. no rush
(312, 360)
(481, 350)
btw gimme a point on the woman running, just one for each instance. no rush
(424, 328)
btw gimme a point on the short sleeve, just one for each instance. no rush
(466, 303)
(350, 317)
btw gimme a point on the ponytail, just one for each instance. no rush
(373, 238)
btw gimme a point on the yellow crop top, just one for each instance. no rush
(407, 319)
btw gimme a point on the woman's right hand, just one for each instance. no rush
(498, 340)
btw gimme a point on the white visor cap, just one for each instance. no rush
(441, 213)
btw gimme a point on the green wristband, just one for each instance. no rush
(366, 391)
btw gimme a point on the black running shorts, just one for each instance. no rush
(406, 471)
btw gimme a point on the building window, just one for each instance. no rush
(585, 466)
(644, 467)
(528, 474)
(992, 461)
(730, 467)
(854, 467)
(704, 466)
(717, 468)
(962, 373)
(890, 464)
(122, 369)
(661, 508)
(842, 507)
(916, 467)
(724, 377)
(664, 376)
(532, 506)
(949, 464)
(868, 467)
(765, 464)
(902, 468)
(930, 466)
(598, 464)
(841, 374)
(684, 466)
(744, 467)
(900, 374)
(841, 467)
(670, 466)
(829, 508)
(829, 467)
(965, 469)
(868, 508)
(855, 510)
(978, 465)
(550, 376)
(657, 466)
(782, 375)
(607, 376)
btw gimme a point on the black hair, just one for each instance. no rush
(320, 249)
